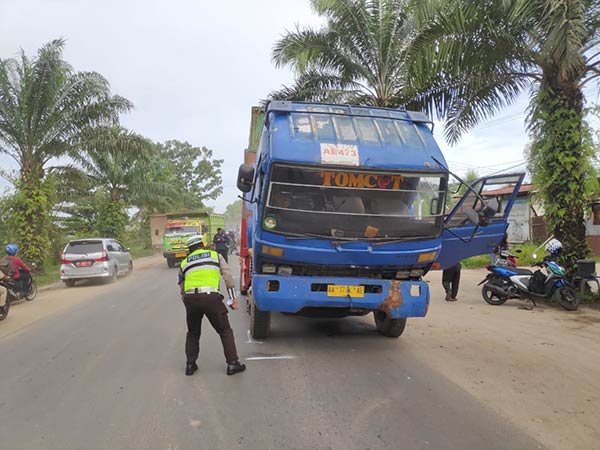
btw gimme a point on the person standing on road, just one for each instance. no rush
(199, 278)
(221, 241)
(450, 281)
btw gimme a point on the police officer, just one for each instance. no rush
(199, 279)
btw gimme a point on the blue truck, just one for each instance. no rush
(347, 208)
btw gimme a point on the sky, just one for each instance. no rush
(194, 69)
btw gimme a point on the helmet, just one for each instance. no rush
(12, 249)
(554, 246)
(194, 241)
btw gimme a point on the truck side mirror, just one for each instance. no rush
(245, 178)
(472, 215)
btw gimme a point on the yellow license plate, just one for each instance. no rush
(180, 255)
(336, 290)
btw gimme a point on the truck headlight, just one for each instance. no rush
(284, 270)
(269, 268)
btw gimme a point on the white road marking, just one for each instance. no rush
(258, 358)
(252, 341)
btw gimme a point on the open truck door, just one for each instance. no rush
(463, 236)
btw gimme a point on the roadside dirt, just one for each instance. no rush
(54, 298)
(539, 369)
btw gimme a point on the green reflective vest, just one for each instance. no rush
(201, 269)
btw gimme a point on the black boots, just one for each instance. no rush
(236, 367)
(190, 368)
(232, 368)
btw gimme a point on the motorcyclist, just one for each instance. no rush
(21, 274)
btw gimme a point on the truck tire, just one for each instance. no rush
(260, 322)
(170, 263)
(389, 326)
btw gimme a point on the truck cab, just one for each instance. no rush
(347, 213)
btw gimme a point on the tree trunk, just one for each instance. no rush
(561, 162)
(32, 216)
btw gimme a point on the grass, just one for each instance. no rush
(50, 274)
(525, 257)
(140, 251)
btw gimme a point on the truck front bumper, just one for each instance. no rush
(177, 255)
(292, 293)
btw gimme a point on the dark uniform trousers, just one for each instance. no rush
(210, 305)
(451, 279)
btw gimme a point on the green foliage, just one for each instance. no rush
(233, 214)
(45, 110)
(472, 58)
(524, 256)
(560, 157)
(357, 57)
(45, 106)
(112, 159)
(198, 175)
(112, 220)
(31, 208)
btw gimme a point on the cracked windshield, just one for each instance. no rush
(300, 225)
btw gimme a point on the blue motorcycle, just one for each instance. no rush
(503, 283)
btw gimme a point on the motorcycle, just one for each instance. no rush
(4, 310)
(506, 259)
(20, 289)
(505, 282)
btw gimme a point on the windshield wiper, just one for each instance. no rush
(306, 236)
(382, 241)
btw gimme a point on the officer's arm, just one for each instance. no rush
(227, 277)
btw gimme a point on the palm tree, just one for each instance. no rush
(45, 106)
(471, 58)
(357, 57)
(122, 164)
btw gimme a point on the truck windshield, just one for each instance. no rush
(181, 230)
(348, 204)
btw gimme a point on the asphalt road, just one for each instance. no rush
(108, 374)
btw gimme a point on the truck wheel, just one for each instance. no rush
(69, 283)
(170, 263)
(260, 322)
(389, 326)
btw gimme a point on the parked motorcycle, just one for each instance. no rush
(505, 258)
(505, 282)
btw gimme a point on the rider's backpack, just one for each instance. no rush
(6, 266)
(537, 282)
